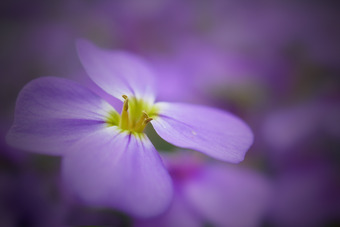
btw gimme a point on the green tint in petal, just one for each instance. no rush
(137, 106)
(113, 118)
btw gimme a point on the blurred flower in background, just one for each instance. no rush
(212, 193)
(275, 64)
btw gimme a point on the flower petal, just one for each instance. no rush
(117, 72)
(52, 113)
(179, 214)
(213, 132)
(229, 195)
(118, 170)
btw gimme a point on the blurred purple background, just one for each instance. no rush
(276, 64)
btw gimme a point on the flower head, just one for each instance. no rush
(107, 158)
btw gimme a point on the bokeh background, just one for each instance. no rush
(275, 64)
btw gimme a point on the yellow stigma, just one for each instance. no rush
(135, 115)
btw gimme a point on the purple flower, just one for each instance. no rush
(107, 159)
(222, 195)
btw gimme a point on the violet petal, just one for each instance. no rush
(179, 214)
(119, 170)
(52, 113)
(216, 133)
(117, 72)
(229, 195)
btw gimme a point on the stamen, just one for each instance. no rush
(143, 121)
(134, 115)
(124, 122)
(147, 120)
(126, 102)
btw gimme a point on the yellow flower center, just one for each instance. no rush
(135, 115)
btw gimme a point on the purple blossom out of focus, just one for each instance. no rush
(274, 64)
(212, 193)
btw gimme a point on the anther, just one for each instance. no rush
(145, 115)
(147, 120)
(126, 103)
